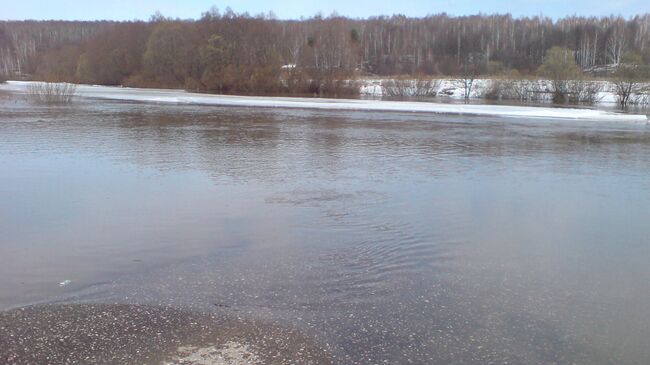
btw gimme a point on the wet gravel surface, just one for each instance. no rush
(129, 334)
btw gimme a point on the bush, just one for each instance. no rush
(265, 80)
(559, 66)
(52, 92)
(339, 88)
(576, 91)
(630, 81)
(403, 86)
(397, 87)
(583, 92)
(295, 81)
(514, 89)
(495, 90)
(643, 99)
(192, 85)
(335, 83)
(631, 93)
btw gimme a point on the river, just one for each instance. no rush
(387, 237)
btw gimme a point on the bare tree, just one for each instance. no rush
(469, 70)
(616, 45)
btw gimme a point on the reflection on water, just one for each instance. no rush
(388, 237)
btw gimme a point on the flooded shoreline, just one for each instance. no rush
(380, 237)
(167, 96)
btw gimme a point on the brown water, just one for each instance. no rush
(387, 237)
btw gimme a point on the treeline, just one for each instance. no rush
(238, 53)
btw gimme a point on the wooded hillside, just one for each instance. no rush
(238, 53)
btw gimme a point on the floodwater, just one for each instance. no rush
(385, 237)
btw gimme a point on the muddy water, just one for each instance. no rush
(386, 237)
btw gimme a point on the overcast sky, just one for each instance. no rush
(142, 9)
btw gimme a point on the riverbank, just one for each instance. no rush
(183, 97)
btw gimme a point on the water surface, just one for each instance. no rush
(387, 237)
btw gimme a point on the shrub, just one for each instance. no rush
(643, 99)
(583, 92)
(495, 90)
(402, 86)
(559, 66)
(52, 92)
(338, 88)
(630, 80)
(265, 79)
(192, 84)
(577, 91)
(397, 87)
(516, 89)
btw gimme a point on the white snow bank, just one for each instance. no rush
(179, 96)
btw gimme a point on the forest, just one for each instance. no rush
(228, 52)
